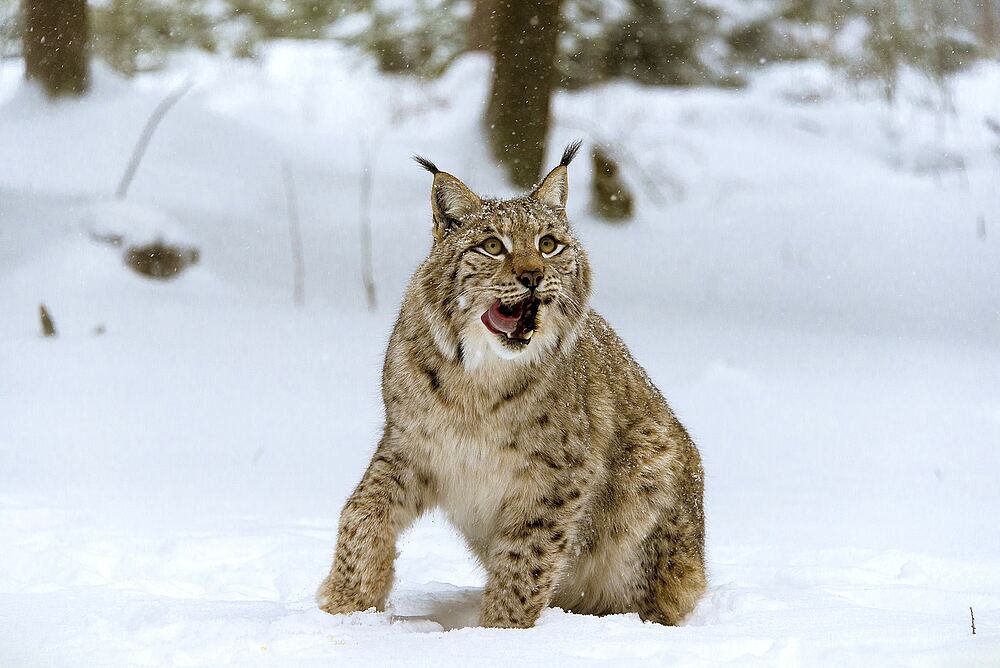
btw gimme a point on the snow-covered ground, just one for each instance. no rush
(813, 280)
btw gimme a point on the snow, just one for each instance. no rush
(817, 303)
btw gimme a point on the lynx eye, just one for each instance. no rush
(492, 246)
(549, 246)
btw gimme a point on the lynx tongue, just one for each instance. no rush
(499, 322)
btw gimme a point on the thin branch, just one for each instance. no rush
(147, 135)
(365, 221)
(295, 235)
(973, 615)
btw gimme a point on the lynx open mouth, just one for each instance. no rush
(514, 323)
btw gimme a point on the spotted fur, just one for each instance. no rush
(558, 460)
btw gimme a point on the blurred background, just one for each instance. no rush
(789, 134)
(539, 47)
(208, 216)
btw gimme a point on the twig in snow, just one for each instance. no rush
(973, 615)
(48, 327)
(295, 234)
(147, 134)
(365, 221)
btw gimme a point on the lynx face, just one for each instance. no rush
(507, 277)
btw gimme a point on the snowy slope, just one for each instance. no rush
(808, 281)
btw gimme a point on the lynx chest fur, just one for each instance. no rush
(515, 408)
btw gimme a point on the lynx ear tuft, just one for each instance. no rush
(555, 186)
(426, 164)
(570, 152)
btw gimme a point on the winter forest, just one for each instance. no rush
(209, 215)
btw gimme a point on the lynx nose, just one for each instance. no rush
(530, 278)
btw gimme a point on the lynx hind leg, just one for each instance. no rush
(675, 568)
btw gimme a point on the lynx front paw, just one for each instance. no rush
(336, 598)
(505, 624)
(504, 619)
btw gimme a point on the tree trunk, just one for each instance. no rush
(524, 75)
(481, 32)
(989, 28)
(55, 45)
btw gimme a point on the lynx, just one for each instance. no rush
(517, 410)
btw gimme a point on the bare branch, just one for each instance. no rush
(295, 235)
(147, 134)
(365, 221)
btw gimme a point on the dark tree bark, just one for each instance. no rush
(989, 27)
(482, 26)
(524, 75)
(610, 198)
(55, 45)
